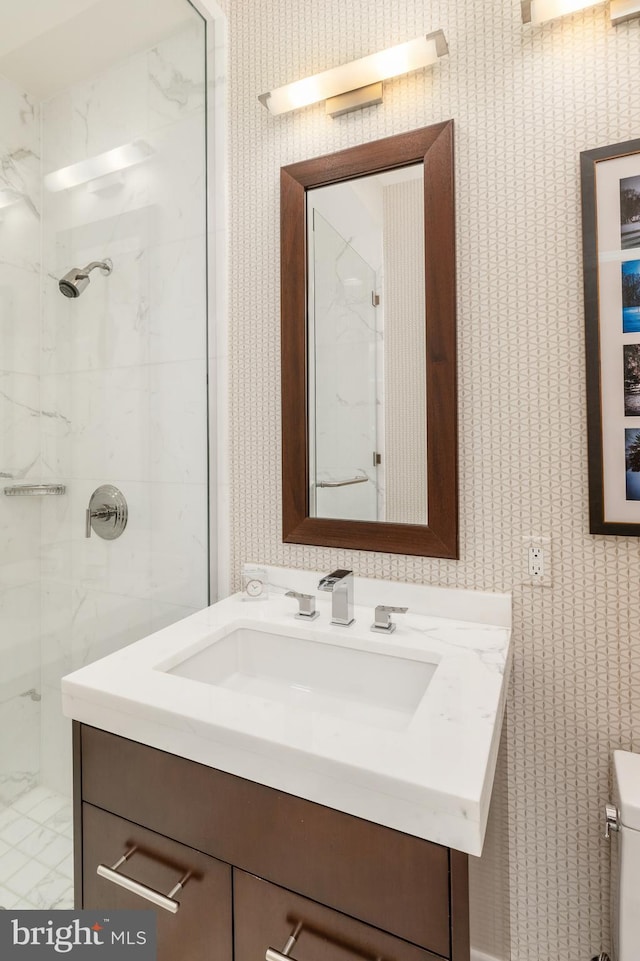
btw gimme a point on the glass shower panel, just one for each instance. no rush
(109, 387)
(343, 407)
(19, 442)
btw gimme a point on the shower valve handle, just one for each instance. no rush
(102, 512)
(107, 513)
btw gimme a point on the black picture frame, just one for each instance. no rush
(612, 329)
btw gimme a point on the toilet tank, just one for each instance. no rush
(625, 862)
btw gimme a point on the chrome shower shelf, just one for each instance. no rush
(34, 490)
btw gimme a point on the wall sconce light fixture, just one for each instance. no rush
(359, 83)
(538, 11)
(622, 10)
(101, 165)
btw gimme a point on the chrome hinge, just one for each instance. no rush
(375, 299)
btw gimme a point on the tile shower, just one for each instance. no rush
(107, 388)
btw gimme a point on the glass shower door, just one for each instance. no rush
(19, 445)
(107, 388)
(343, 406)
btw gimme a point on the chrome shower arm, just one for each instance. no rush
(106, 266)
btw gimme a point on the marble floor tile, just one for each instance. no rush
(50, 892)
(8, 899)
(17, 829)
(55, 852)
(36, 864)
(46, 809)
(35, 843)
(67, 901)
(65, 868)
(11, 862)
(7, 815)
(30, 800)
(62, 820)
(28, 879)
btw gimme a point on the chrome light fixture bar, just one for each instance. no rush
(101, 165)
(623, 10)
(359, 83)
(539, 11)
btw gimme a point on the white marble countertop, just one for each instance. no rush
(432, 779)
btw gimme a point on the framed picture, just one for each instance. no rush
(611, 240)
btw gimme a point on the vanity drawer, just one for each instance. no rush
(367, 871)
(201, 928)
(266, 915)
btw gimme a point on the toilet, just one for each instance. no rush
(624, 820)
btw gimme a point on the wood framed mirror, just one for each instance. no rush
(369, 418)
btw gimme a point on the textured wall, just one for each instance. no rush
(525, 102)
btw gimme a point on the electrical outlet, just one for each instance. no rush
(537, 560)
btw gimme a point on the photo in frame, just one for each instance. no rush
(611, 244)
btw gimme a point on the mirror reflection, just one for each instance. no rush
(367, 350)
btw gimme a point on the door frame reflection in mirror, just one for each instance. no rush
(432, 146)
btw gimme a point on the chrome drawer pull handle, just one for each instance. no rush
(284, 955)
(166, 901)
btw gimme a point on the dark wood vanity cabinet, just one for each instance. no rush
(263, 865)
(267, 916)
(202, 928)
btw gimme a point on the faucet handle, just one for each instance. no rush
(307, 605)
(382, 622)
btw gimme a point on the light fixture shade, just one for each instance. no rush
(404, 58)
(99, 166)
(538, 11)
(622, 10)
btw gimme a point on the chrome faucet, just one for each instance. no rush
(340, 585)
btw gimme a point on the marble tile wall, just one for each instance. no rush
(124, 367)
(344, 393)
(19, 437)
(345, 246)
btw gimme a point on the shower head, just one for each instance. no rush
(75, 281)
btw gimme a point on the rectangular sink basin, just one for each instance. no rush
(368, 687)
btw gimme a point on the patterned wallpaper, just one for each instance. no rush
(525, 102)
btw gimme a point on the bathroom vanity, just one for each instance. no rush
(318, 815)
(359, 889)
